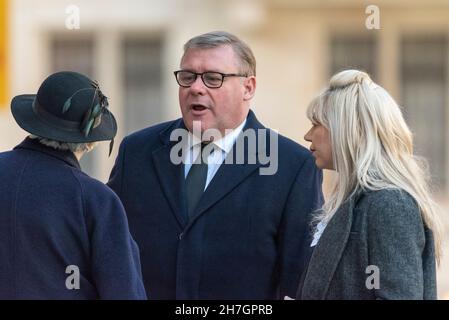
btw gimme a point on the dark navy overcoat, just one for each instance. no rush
(57, 223)
(249, 237)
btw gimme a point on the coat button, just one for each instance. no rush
(181, 235)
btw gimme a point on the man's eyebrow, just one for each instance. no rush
(190, 70)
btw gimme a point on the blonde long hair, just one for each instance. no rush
(372, 146)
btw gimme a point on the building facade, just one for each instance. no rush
(132, 48)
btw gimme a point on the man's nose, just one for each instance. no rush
(198, 86)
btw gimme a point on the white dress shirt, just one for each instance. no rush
(319, 231)
(216, 158)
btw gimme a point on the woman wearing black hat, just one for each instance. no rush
(63, 235)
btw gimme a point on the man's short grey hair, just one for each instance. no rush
(58, 145)
(219, 38)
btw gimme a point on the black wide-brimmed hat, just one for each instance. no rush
(68, 107)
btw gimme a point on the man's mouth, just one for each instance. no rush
(198, 107)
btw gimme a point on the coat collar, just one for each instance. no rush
(64, 155)
(327, 253)
(171, 176)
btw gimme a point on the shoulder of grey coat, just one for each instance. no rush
(375, 247)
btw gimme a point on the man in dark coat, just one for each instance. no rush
(63, 235)
(233, 226)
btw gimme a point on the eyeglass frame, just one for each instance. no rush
(223, 76)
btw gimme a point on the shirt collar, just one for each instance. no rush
(225, 143)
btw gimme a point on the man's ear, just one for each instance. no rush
(249, 84)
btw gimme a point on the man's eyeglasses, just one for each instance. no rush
(211, 79)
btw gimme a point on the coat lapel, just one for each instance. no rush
(171, 176)
(327, 254)
(230, 175)
(225, 180)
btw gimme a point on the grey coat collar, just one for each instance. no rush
(327, 253)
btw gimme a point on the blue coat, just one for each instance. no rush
(53, 216)
(249, 236)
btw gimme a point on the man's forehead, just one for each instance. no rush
(221, 56)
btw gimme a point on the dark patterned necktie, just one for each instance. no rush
(195, 182)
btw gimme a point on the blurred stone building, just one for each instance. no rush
(132, 47)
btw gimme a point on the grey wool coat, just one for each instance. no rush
(374, 247)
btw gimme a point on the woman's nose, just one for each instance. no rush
(307, 136)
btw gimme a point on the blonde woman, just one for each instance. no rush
(377, 236)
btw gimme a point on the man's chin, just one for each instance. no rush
(198, 123)
(200, 113)
(204, 129)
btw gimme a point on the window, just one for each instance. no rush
(143, 105)
(353, 52)
(424, 82)
(75, 54)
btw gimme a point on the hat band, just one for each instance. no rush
(52, 120)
